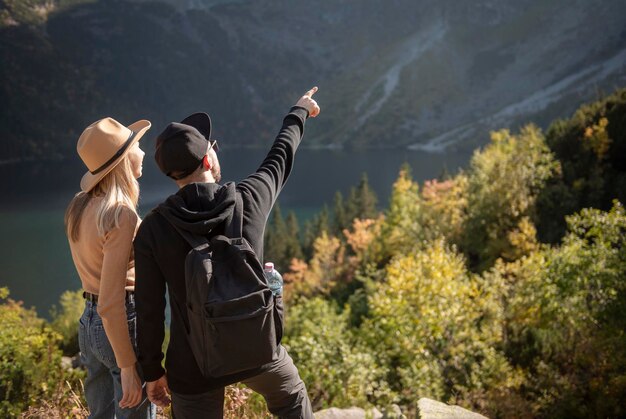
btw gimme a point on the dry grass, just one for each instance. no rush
(66, 404)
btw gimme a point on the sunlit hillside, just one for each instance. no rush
(425, 74)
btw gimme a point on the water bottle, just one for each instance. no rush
(274, 279)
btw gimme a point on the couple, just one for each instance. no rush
(121, 330)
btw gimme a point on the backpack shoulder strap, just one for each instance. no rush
(195, 241)
(235, 228)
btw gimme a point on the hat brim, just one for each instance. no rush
(200, 121)
(89, 180)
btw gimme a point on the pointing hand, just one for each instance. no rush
(309, 104)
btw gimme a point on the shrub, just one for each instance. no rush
(337, 373)
(437, 330)
(30, 359)
(65, 320)
(564, 318)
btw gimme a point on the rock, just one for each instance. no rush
(350, 413)
(66, 362)
(373, 414)
(427, 409)
(431, 409)
(69, 363)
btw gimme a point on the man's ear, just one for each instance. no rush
(206, 163)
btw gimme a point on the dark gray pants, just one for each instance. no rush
(281, 386)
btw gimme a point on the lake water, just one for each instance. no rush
(35, 262)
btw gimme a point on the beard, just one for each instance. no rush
(217, 173)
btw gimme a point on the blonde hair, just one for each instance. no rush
(118, 189)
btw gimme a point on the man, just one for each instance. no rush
(186, 153)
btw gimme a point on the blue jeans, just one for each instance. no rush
(103, 386)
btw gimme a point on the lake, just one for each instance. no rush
(35, 261)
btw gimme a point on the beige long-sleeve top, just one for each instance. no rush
(106, 267)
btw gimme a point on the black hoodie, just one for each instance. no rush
(201, 208)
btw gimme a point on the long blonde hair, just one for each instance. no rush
(118, 189)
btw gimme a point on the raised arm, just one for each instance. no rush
(263, 186)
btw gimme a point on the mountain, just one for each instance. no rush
(427, 74)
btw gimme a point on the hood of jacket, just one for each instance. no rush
(200, 207)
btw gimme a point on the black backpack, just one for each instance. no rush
(235, 322)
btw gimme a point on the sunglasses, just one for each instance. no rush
(212, 145)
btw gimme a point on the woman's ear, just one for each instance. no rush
(206, 163)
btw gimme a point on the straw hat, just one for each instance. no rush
(103, 145)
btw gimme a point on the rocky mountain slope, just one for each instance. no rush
(427, 74)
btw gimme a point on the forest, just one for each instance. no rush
(500, 288)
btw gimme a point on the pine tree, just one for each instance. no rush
(340, 217)
(314, 228)
(362, 202)
(276, 237)
(294, 248)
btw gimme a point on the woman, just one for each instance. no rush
(100, 223)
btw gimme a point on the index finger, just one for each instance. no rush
(311, 92)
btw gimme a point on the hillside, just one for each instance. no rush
(420, 74)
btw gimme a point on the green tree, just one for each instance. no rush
(325, 268)
(564, 318)
(276, 239)
(340, 216)
(417, 217)
(504, 181)
(361, 203)
(444, 208)
(282, 239)
(436, 329)
(590, 147)
(294, 247)
(401, 230)
(313, 228)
